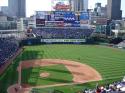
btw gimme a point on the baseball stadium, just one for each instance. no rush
(57, 60)
(62, 50)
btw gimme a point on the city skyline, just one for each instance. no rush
(46, 6)
(113, 9)
(17, 8)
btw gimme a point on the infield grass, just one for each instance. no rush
(58, 74)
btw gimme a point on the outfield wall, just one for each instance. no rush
(36, 41)
(63, 40)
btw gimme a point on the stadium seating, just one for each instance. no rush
(62, 33)
(116, 87)
(8, 47)
(121, 44)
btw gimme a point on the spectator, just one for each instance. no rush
(8, 47)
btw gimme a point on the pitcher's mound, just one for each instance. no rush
(44, 75)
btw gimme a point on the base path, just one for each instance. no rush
(81, 73)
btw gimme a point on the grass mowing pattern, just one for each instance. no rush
(58, 74)
(108, 61)
(73, 88)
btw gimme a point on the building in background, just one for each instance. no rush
(4, 9)
(97, 9)
(79, 5)
(13, 7)
(100, 11)
(84, 19)
(114, 9)
(17, 8)
(6, 22)
(40, 18)
(3, 17)
(31, 22)
(104, 11)
(85, 4)
(21, 8)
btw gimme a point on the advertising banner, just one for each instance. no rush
(59, 15)
(40, 18)
(76, 24)
(58, 5)
(54, 23)
(69, 17)
(40, 22)
(52, 17)
(63, 40)
(84, 18)
(40, 14)
(101, 21)
(59, 24)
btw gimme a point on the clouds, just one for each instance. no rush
(39, 5)
(3, 3)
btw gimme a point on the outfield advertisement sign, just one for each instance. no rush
(63, 40)
(40, 18)
(69, 17)
(84, 18)
(59, 15)
(40, 14)
(54, 23)
(76, 24)
(40, 22)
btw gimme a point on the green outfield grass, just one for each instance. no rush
(109, 62)
(58, 74)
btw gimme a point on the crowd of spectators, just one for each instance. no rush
(121, 44)
(8, 47)
(62, 33)
(116, 87)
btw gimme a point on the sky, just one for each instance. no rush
(45, 5)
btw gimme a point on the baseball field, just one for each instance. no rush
(106, 64)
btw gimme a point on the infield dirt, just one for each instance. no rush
(81, 73)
